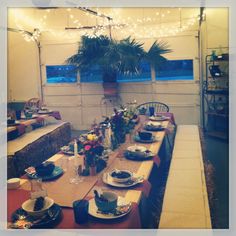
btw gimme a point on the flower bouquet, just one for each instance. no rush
(93, 151)
(118, 126)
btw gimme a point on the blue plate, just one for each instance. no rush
(138, 139)
(133, 157)
(153, 128)
(57, 172)
(50, 220)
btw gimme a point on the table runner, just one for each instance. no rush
(56, 189)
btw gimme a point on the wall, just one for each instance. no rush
(82, 103)
(23, 69)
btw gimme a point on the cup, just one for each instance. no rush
(151, 111)
(18, 114)
(80, 208)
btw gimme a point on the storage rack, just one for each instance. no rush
(216, 96)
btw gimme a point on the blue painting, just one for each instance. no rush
(175, 70)
(61, 74)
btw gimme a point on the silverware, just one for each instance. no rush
(135, 180)
(118, 211)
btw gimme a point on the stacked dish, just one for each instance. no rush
(138, 153)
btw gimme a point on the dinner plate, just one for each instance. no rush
(33, 116)
(121, 201)
(65, 150)
(154, 128)
(107, 179)
(158, 118)
(44, 112)
(57, 172)
(49, 220)
(138, 139)
(137, 148)
(131, 156)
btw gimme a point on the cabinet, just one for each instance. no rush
(216, 96)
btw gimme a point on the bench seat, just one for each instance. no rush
(185, 203)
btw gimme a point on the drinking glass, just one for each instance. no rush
(77, 172)
(151, 111)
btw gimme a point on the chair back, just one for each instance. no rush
(154, 106)
(33, 104)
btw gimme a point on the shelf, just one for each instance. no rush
(217, 114)
(223, 57)
(218, 134)
(219, 77)
(224, 92)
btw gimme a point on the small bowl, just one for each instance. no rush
(13, 183)
(122, 176)
(28, 114)
(154, 124)
(145, 135)
(45, 169)
(28, 206)
(109, 205)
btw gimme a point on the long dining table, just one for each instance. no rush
(64, 193)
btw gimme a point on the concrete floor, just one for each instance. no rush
(217, 153)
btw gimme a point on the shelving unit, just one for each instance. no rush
(216, 96)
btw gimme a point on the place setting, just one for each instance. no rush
(45, 171)
(121, 178)
(153, 126)
(107, 205)
(38, 211)
(138, 153)
(157, 117)
(145, 137)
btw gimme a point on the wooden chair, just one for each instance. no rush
(33, 104)
(158, 107)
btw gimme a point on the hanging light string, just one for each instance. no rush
(140, 27)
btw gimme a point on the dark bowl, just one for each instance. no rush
(45, 169)
(109, 205)
(121, 176)
(10, 122)
(145, 135)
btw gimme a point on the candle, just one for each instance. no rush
(75, 149)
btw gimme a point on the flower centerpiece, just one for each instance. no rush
(131, 118)
(118, 127)
(93, 151)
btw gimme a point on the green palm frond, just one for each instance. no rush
(116, 57)
(154, 54)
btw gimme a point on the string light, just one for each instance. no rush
(133, 26)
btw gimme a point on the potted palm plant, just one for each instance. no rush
(115, 58)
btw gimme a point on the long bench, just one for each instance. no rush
(35, 147)
(185, 203)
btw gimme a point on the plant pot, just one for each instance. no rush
(110, 89)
